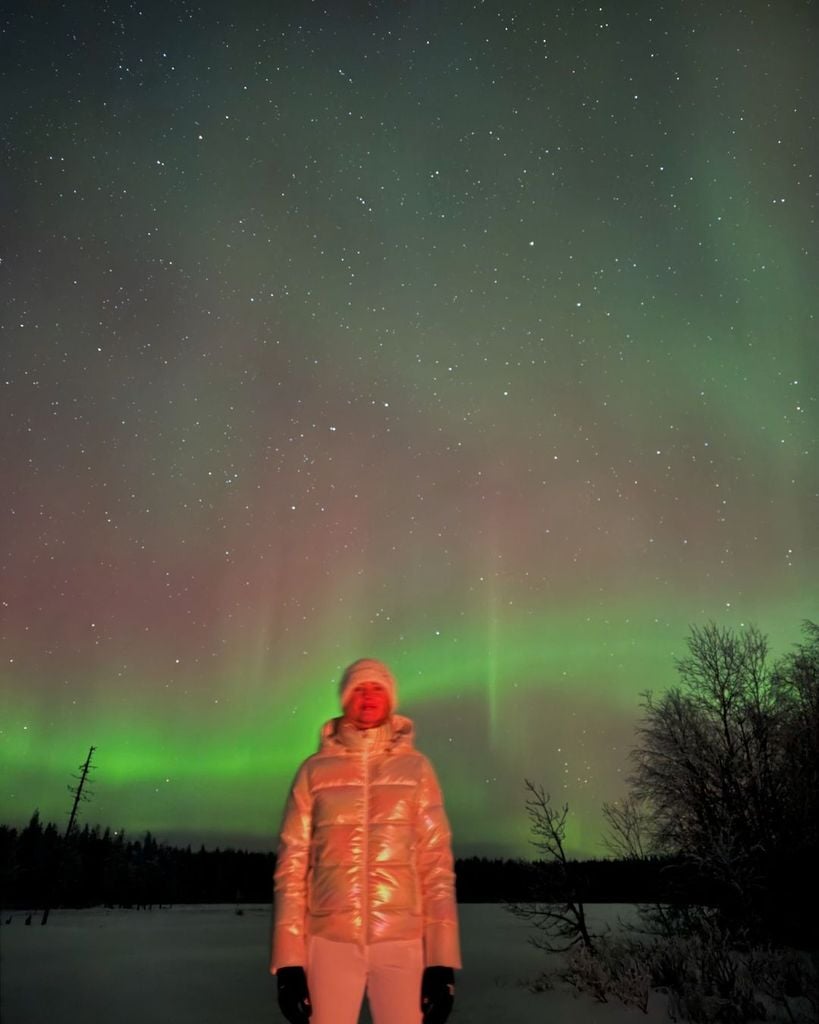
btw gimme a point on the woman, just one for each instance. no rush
(364, 881)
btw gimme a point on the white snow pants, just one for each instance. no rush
(339, 972)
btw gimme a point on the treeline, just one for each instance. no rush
(96, 867)
(610, 880)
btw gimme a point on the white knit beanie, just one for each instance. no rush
(368, 670)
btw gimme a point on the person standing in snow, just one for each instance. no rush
(364, 882)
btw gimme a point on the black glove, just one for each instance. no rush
(437, 994)
(294, 997)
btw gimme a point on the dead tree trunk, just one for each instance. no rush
(78, 795)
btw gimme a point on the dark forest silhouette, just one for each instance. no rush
(96, 867)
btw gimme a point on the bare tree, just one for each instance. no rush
(79, 796)
(796, 688)
(725, 780)
(726, 757)
(629, 834)
(561, 922)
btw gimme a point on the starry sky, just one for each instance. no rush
(477, 337)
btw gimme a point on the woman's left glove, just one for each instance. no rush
(437, 994)
(294, 997)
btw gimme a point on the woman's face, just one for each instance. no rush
(368, 705)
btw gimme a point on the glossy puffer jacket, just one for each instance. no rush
(365, 850)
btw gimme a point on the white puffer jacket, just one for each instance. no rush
(365, 848)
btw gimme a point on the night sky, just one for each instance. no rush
(477, 337)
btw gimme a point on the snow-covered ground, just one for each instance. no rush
(208, 965)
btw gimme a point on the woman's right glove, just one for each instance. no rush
(294, 996)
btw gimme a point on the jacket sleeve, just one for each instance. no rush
(437, 875)
(290, 877)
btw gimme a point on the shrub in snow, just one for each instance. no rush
(707, 978)
(710, 981)
(544, 982)
(789, 980)
(615, 970)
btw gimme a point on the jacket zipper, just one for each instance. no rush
(365, 895)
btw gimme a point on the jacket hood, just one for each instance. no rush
(398, 732)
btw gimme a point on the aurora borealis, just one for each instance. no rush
(477, 337)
